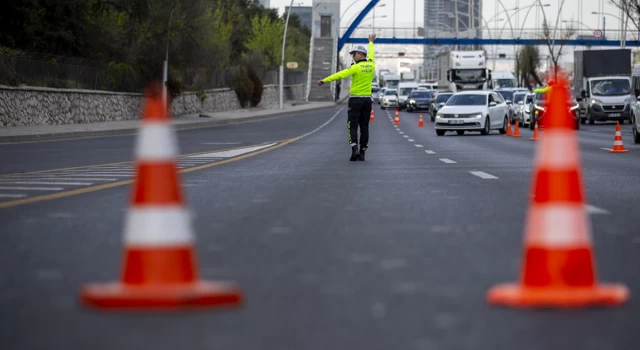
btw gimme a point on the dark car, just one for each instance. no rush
(419, 100)
(438, 101)
(540, 109)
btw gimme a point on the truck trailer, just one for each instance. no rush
(463, 70)
(602, 81)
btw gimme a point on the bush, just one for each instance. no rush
(243, 86)
(258, 87)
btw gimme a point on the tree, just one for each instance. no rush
(631, 8)
(528, 64)
(266, 38)
(555, 46)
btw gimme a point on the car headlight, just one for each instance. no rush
(412, 102)
(438, 115)
(539, 108)
(479, 115)
(574, 107)
(596, 102)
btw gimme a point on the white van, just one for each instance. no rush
(502, 80)
(404, 90)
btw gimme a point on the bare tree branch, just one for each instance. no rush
(631, 8)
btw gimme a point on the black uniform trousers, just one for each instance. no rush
(359, 114)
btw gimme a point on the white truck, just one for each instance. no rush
(408, 77)
(390, 81)
(463, 70)
(602, 78)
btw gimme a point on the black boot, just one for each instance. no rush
(355, 155)
(362, 150)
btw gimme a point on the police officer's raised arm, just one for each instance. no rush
(372, 38)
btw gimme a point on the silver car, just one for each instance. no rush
(518, 107)
(635, 120)
(375, 92)
(390, 98)
(380, 94)
(481, 111)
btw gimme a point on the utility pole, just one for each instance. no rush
(284, 40)
(394, 18)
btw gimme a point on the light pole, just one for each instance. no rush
(623, 33)
(165, 66)
(284, 41)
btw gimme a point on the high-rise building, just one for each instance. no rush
(305, 13)
(440, 21)
(265, 3)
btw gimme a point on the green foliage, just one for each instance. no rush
(203, 36)
(243, 86)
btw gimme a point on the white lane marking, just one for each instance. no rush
(232, 153)
(418, 145)
(406, 136)
(4, 195)
(33, 188)
(428, 151)
(58, 178)
(592, 209)
(606, 149)
(411, 140)
(221, 143)
(103, 174)
(401, 133)
(483, 175)
(447, 160)
(45, 183)
(323, 125)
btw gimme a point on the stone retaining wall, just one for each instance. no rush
(24, 106)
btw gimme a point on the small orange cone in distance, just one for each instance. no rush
(372, 118)
(396, 120)
(420, 121)
(508, 127)
(558, 263)
(618, 146)
(535, 133)
(516, 133)
(159, 270)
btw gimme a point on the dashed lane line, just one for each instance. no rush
(592, 209)
(447, 160)
(418, 145)
(411, 140)
(31, 189)
(483, 175)
(5, 195)
(428, 151)
(406, 136)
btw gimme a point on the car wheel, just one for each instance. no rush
(487, 127)
(636, 134)
(591, 120)
(503, 130)
(621, 121)
(440, 132)
(433, 118)
(460, 132)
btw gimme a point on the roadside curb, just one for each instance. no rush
(133, 130)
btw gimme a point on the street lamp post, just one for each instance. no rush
(284, 41)
(165, 66)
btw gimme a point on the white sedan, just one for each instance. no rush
(481, 111)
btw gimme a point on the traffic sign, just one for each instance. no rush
(597, 33)
(292, 65)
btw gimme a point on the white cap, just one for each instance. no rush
(358, 48)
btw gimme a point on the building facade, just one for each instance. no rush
(440, 21)
(305, 13)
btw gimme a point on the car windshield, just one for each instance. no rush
(529, 98)
(374, 89)
(506, 95)
(505, 83)
(518, 97)
(467, 100)
(390, 92)
(542, 96)
(466, 76)
(406, 91)
(443, 98)
(610, 87)
(421, 94)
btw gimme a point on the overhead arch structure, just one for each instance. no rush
(347, 35)
(477, 41)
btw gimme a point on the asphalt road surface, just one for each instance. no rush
(393, 253)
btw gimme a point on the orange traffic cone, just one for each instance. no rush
(420, 121)
(396, 120)
(372, 118)
(516, 132)
(508, 127)
(558, 264)
(618, 146)
(535, 133)
(159, 269)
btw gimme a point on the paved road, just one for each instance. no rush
(393, 253)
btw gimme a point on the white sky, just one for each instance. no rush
(404, 8)
(572, 10)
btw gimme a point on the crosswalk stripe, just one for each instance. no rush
(33, 188)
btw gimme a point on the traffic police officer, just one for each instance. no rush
(363, 72)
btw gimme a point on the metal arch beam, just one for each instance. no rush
(472, 41)
(347, 35)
